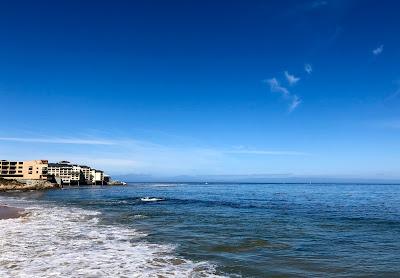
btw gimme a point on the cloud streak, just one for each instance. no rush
(268, 152)
(294, 103)
(291, 79)
(377, 51)
(276, 87)
(75, 141)
(308, 68)
(128, 155)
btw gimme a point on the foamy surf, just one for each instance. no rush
(151, 199)
(69, 242)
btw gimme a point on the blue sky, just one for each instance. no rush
(304, 88)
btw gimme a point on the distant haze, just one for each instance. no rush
(252, 179)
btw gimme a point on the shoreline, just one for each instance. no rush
(7, 212)
(94, 249)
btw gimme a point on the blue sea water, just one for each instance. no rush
(249, 230)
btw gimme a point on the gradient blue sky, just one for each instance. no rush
(203, 87)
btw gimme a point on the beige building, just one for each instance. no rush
(24, 170)
(64, 172)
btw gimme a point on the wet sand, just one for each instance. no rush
(7, 212)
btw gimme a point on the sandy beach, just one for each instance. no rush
(7, 212)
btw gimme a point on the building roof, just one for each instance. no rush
(97, 170)
(59, 165)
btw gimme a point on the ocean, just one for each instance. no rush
(204, 230)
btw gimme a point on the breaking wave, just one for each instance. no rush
(53, 241)
(151, 199)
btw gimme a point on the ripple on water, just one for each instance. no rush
(249, 245)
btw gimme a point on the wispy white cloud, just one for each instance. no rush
(105, 163)
(291, 79)
(294, 103)
(308, 68)
(128, 155)
(267, 152)
(276, 87)
(377, 51)
(76, 141)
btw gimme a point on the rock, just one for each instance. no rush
(25, 185)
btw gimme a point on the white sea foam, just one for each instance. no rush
(151, 199)
(53, 241)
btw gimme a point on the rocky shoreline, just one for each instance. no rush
(26, 185)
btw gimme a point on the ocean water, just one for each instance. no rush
(204, 230)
